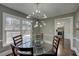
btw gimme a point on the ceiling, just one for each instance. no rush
(50, 9)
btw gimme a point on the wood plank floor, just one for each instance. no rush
(65, 51)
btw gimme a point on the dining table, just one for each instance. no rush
(39, 47)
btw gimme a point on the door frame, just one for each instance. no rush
(71, 37)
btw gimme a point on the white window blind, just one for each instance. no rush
(13, 25)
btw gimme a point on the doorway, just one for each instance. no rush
(67, 25)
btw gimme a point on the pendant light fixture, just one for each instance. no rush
(38, 15)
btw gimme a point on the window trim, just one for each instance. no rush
(4, 44)
(4, 33)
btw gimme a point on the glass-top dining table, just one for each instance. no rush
(38, 49)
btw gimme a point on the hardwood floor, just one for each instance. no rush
(65, 51)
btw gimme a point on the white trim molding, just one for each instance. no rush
(76, 51)
(5, 52)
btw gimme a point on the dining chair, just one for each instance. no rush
(17, 40)
(56, 41)
(21, 51)
(55, 45)
(25, 51)
(14, 50)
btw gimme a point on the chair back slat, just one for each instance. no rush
(17, 40)
(56, 40)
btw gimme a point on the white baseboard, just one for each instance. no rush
(5, 52)
(76, 51)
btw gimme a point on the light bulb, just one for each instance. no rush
(39, 11)
(40, 25)
(58, 23)
(44, 16)
(36, 11)
(36, 22)
(33, 13)
(35, 26)
(28, 17)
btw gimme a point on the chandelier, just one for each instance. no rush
(38, 15)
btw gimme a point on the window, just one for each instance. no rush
(13, 25)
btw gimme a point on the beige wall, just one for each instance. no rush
(49, 29)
